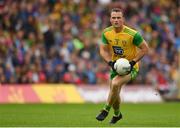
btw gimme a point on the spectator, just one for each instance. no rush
(56, 41)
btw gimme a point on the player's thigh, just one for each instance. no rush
(120, 80)
(118, 87)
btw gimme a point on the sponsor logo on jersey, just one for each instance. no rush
(118, 50)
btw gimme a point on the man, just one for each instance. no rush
(120, 41)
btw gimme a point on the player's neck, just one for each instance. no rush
(118, 29)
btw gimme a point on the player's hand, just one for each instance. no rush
(132, 63)
(111, 64)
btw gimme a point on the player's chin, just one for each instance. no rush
(116, 25)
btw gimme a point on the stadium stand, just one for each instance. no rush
(56, 41)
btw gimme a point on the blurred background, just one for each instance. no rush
(55, 42)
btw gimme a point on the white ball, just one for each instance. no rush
(122, 66)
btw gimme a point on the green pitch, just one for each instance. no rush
(83, 115)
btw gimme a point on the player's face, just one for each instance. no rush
(117, 19)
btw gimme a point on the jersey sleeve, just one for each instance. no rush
(104, 40)
(138, 39)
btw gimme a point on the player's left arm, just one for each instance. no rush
(143, 50)
(142, 45)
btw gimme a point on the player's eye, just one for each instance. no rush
(116, 18)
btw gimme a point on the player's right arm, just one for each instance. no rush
(105, 52)
(104, 48)
(106, 55)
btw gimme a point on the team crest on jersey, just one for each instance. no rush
(124, 42)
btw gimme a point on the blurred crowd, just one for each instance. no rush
(56, 41)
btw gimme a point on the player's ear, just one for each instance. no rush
(110, 19)
(122, 17)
